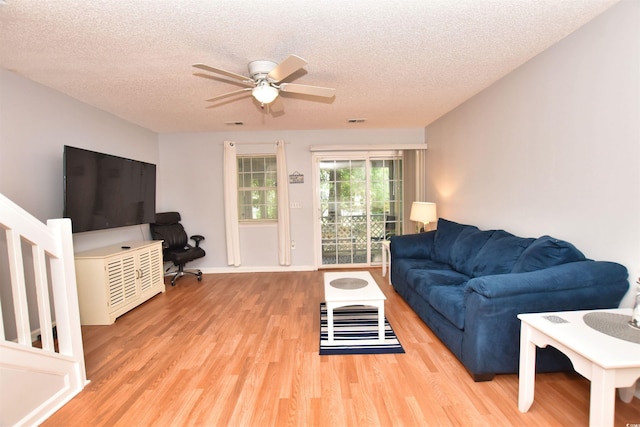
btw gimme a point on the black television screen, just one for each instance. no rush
(103, 191)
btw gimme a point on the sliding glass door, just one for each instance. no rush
(360, 205)
(386, 203)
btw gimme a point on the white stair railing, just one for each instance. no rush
(38, 293)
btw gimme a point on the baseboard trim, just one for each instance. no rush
(36, 335)
(258, 269)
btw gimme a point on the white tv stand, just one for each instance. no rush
(115, 279)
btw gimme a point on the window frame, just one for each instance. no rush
(259, 177)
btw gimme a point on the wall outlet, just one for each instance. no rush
(293, 244)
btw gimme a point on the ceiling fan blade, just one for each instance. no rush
(223, 72)
(222, 79)
(287, 67)
(325, 92)
(235, 92)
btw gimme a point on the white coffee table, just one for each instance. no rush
(608, 362)
(336, 297)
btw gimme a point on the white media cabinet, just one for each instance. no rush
(115, 279)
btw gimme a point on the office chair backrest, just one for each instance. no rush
(168, 228)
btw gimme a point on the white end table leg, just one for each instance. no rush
(527, 380)
(381, 321)
(603, 397)
(384, 260)
(330, 323)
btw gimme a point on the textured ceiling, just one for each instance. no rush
(401, 63)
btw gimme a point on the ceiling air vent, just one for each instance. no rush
(356, 120)
(238, 123)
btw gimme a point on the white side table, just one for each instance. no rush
(606, 361)
(386, 258)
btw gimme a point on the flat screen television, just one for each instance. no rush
(103, 191)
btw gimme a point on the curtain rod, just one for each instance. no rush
(255, 143)
(367, 147)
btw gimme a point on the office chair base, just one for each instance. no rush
(181, 272)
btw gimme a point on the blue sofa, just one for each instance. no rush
(468, 286)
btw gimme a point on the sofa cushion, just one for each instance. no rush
(445, 237)
(464, 250)
(423, 281)
(545, 252)
(407, 264)
(449, 301)
(499, 254)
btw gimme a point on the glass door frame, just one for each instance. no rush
(367, 157)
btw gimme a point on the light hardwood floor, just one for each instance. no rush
(242, 350)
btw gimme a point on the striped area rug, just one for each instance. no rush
(355, 330)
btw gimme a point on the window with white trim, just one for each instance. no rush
(257, 188)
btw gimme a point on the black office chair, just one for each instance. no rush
(175, 247)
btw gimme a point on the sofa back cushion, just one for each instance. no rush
(445, 237)
(499, 254)
(545, 252)
(466, 247)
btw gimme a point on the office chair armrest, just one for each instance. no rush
(197, 238)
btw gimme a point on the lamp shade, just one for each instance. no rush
(424, 212)
(265, 93)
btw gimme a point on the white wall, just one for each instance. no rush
(35, 123)
(554, 147)
(191, 179)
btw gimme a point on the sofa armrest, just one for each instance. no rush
(412, 245)
(574, 275)
(492, 303)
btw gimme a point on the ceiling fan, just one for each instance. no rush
(266, 80)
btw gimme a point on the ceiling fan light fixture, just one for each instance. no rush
(264, 93)
(266, 80)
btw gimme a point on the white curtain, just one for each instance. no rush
(421, 175)
(231, 204)
(284, 227)
(415, 182)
